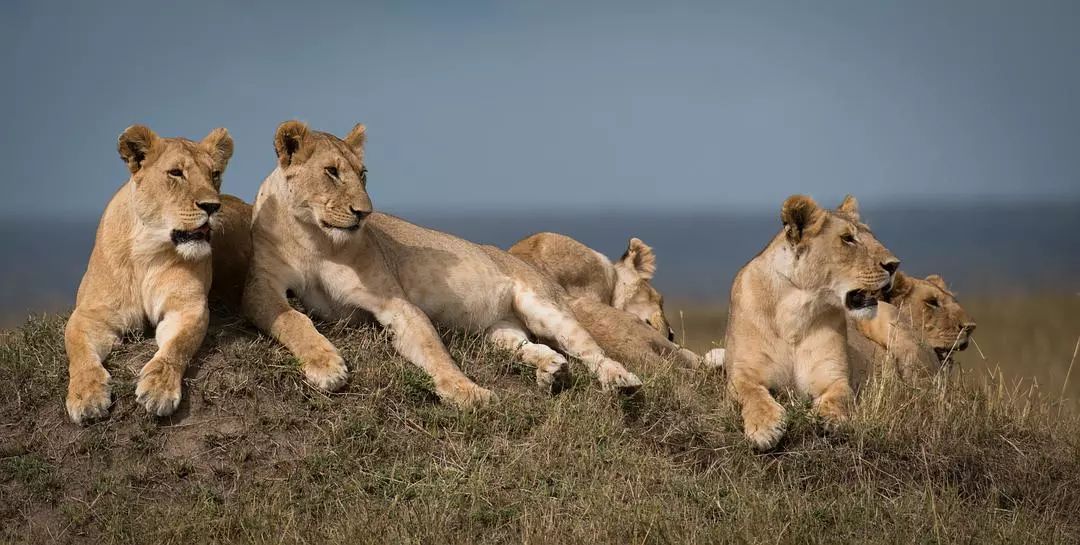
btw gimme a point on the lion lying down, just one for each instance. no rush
(615, 302)
(315, 235)
(151, 265)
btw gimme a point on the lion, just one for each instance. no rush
(584, 272)
(918, 329)
(787, 325)
(151, 265)
(315, 234)
(625, 338)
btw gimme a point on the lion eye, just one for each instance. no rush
(932, 303)
(176, 173)
(363, 175)
(848, 238)
(332, 172)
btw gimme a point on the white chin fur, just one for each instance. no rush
(867, 313)
(339, 236)
(194, 250)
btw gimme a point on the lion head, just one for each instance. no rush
(175, 186)
(935, 310)
(835, 251)
(326, 178)
(634, 292)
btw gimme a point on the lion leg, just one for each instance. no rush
(764, 420)
(178, 336)
(88, 342)
(267, 308)
(821, 371)
(546, 319)
(415, 338)
(551, 366)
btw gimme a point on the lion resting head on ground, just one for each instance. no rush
(787, 328)
(583, 272)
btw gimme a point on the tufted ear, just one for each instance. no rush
(356, 138)
(219, 144)
(289, 141)
(939, 282)
(640, 257)
(901, 287)
(800, 214)
(135, 144)
(850, 207)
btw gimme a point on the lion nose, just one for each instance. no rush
(360, 214)
(209, 207)
(968, 327)
(891, 265)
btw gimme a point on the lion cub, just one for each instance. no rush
(787, 325)
(151, 265)
(315, 235)
(918, 328)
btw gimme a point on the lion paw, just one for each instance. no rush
(613, 376)
(88, 397)
(714, 359)
(158, 389)
(554, 375)
(326, 371)
(833, 412)
(764, 426)
(464, 394)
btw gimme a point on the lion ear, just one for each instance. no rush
(901, 287)
(640, 257)
(938, 281)
(799, 214)
(356, 138)
(134, 146)
(850, 207)
(289, 141)
(219, 144)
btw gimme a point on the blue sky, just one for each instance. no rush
(541, 105)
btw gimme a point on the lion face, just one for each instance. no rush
(934, 308)
(835, 251)
(175, 185)
(326, 178)
(634, 292)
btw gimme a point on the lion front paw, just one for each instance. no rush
(714, 359)
(464, 394)
(613, 376)
(159, 386)
(554, 375)
(327, 371)
(833, 411)
(764, 424)
(88, 396)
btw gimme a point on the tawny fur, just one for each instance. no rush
(583, 272)
(137, 276)
(787, 328)
(624, 287)
(314, 234)
(919, 328)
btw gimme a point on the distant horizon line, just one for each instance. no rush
(869, 204)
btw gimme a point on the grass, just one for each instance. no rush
(255, 455)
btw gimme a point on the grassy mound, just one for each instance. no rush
(256, 455)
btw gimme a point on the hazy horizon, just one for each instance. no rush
(625, 105)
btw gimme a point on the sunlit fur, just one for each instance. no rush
(787, 328)
(315, 234)
(137, 276)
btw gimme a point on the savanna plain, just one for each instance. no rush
(990, 453)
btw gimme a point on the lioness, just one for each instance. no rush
(315, 234)
(584, 272)
(918, 327)
(625, 338)
(151, 264)
(787, 326)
